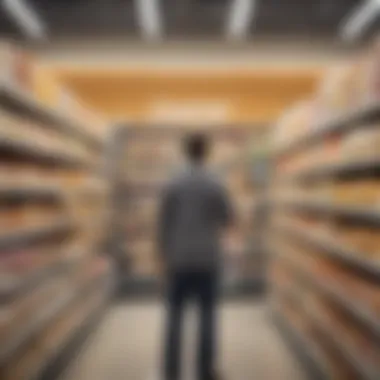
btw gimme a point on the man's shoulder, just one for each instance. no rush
(183, 178)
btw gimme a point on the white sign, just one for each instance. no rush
(189, 112)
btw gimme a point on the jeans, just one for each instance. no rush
(183, 286)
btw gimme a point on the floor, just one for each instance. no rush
(126, 345)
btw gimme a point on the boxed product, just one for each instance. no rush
(370, 75)
(361, 193)
(12, 220)
(338, 91)
(361, 144)
(16, 65)
(295, 123)
(362, 240)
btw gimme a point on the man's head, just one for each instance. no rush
(196, 147)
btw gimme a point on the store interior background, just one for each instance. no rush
(95, 97)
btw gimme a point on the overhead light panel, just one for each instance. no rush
(360, 19)
(240, 18)
(149, 18)
(25, 17)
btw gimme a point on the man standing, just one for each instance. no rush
(194, 211)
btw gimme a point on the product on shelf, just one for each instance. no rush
(295, 123)
(358, 193)
(49, 177)
(370, 76)
(338, 91)
(324, 250)
(362, 240)
(361, 145)
(16, 65)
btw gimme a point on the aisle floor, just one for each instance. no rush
(126, 345)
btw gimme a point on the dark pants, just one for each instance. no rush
(202, 287)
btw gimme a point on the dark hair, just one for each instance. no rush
(196, 147)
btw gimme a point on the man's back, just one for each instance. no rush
(195, 208)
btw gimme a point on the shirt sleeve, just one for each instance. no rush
(224, 209)
(165, 221)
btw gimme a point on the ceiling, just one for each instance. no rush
(192, 19)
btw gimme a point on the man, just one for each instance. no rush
(195, 209)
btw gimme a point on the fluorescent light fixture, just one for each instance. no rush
(240, 18)
(25, 17)
(359, 20)
(149, 18)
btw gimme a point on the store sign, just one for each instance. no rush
(189, 112)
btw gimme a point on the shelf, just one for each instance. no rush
(162, 131)
(341, 124)
(352, 355)
(304, 348)
(332, 249)
(28, 151)
(19, 287)
(24, 237)
(25, 192)
(34, 328)
(141, 189)
(20, 101)
(53, 367)
(363, 316)
(358, 214)
(345, 170)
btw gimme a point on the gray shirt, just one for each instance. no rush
(195, 207)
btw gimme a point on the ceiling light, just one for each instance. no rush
(359, 20)
(25, 17)
(149, 18)
(240, 18)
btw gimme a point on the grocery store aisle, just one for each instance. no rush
(126, 346)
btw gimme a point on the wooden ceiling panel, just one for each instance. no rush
(261, 93)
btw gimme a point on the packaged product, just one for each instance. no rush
(360, 240)
(362, 144)
(370, 78)
(16, 65)
(12, 220)
(293, 124)
(361, 193)
(337, 91)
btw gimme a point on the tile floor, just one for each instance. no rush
(127, 343)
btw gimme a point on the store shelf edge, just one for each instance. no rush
(54, 368)
(366, 372)
(9, 94)
(35, 153)
(25, 192)
(360, 214)
(342, 123)
(332, 250)
(364, 317)
(300, 347)
(357, 170)
(24, 237)
(45, 318)
(30, 282)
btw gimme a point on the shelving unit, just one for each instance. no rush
(54, 280)
(325, 263)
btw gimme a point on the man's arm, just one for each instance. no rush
(224, 207)
(165, 217)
